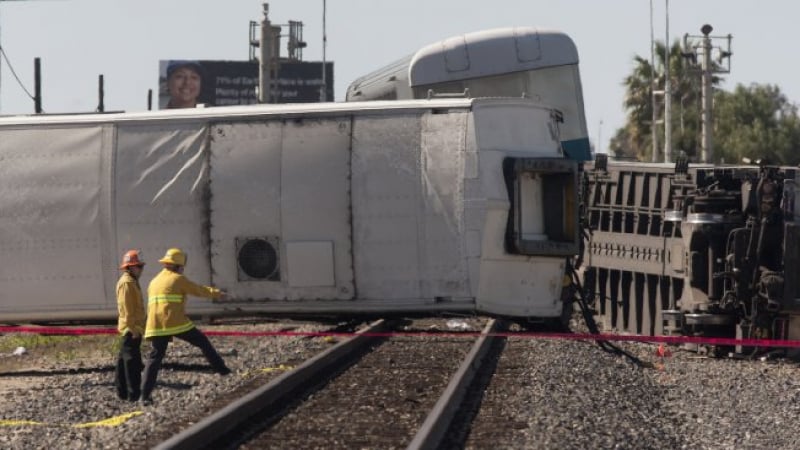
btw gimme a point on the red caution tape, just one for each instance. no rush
(58, 330)
(512, 335)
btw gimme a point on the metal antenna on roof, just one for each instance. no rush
(265, 60)
(323, 95)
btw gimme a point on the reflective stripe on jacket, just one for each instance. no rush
(130, 305)
(166, 303)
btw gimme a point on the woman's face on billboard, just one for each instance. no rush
(184, 88)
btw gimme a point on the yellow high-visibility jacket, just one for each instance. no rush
(166, 303)
(130, 305)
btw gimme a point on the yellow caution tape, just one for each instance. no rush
(275, 369)
(266, 369)
(112, 422)
(14, 423)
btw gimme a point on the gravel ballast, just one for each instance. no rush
(60, 396)
(571, 394)
(546, 394)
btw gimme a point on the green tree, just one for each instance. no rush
(634, 140)
(756, 122)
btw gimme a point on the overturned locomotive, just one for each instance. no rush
(698, 250)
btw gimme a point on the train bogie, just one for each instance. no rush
(698, 250)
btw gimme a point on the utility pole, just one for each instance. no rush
(264, 63)
(268, 40)
(707, 145)
(37, 85)
(101, 94)
(707, 70)
(599, 137)
(667, 94)
(654, 91)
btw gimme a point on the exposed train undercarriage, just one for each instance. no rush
(698, 251)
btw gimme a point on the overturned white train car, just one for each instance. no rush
(420, 206)
(502, 62)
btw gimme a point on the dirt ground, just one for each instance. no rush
(48, 352)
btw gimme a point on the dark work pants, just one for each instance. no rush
(129, 368)
(159, 350)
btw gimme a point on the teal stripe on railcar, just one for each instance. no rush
(577, 149)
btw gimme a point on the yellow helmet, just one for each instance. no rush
(174, 256)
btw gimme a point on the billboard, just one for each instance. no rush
(189, 83)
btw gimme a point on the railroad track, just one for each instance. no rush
(371, 390)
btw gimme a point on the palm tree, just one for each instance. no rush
(636, 138)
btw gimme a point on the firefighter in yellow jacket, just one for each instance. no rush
(166, 318)
(130, 306)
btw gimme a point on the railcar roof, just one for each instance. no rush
(491, 52)
(259, 111)
(484, 53)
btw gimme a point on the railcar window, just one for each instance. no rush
(543, 217)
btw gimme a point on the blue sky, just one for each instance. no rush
(124, 39)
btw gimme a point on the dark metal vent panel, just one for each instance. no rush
(258, 259)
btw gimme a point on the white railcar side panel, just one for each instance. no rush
(386, 192)
(315, 209)
(516, 285)
(443, 263)
(474, 206)
(512, 284)
(161, 173)
(53, 218)
(408, 207)
(286, 181)
(493, 201)
(398, 207)
(246, 198)
(517, 127)
(520, 288)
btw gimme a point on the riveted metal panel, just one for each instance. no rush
(441, 230)
(161, 194)
(315, 201)
(53, 218)
(288, 180)
(386, 197)
(245, 172)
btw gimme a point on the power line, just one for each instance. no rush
(13, 72)
(10, 66)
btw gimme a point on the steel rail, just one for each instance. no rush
(436, 425)
(206, 431)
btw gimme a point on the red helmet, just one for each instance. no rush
(131, 258)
